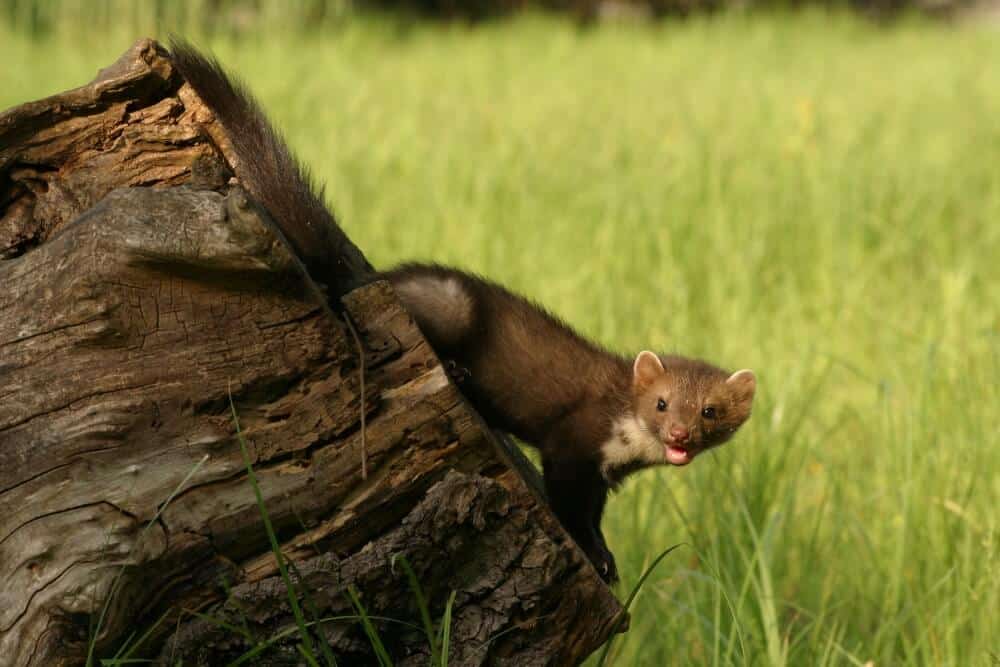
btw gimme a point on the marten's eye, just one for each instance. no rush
(708, 412)
(661, 405)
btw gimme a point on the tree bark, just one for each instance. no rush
(146, 308)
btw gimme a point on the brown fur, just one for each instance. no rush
(269, 172)
(528, 373)
(688, 386)
(593, 414)
(532, 375)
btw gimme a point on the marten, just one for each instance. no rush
(595, 416)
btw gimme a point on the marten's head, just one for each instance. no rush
(679, 408)
(688, 405)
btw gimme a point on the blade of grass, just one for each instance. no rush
(513, 628)
(132, 647)
(123, 647)
(446, 629)
(235, 629)
(272, 537)
(310, 605)
(287, 632)
(307, 656)
(628, 603)
(231, 600)
(366, 623)
(425, 612)
(96, 632)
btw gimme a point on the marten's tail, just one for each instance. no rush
(270, 173)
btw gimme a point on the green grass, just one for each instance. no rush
(813, 197)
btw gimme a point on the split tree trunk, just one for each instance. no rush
(144, 302)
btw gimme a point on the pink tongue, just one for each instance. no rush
(678, 456)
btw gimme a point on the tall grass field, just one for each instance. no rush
(812, 196)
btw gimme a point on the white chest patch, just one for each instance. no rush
(630, 445)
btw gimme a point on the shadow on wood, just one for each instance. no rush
(143, 291)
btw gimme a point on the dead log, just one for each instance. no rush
(145, 302)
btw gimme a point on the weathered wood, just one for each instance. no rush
(131, 319)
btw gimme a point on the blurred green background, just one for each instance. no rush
(805, 192)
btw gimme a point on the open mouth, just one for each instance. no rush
(679, 456)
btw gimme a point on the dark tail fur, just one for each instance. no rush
(270, 173)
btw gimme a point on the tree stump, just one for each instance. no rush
(146, 302)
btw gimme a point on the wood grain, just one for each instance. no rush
(146, 299)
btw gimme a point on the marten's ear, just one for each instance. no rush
(647, 367)
(742, 384)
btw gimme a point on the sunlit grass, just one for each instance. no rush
(813, 197)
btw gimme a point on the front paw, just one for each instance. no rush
(604, 563)
(458, 374)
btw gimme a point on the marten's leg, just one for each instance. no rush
(612, 575)
(577, 492)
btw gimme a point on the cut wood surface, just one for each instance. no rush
(145, 301)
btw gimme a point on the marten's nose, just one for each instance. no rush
(679, 434)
